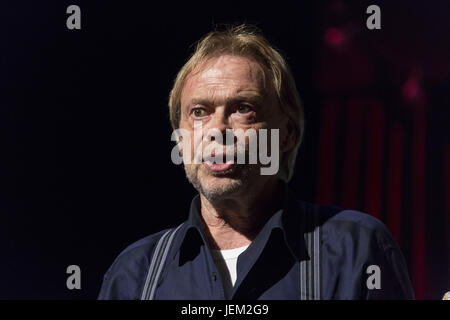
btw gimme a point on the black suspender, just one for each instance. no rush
(310, 270)
(157, 263)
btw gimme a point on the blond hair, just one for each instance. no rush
(247, 41)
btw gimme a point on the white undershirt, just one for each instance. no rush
(226, 262)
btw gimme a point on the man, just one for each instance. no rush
(247, 237)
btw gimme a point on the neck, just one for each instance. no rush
(234, 222)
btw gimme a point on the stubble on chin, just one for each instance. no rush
(214, 186)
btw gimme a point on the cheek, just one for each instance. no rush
(278, 121)
(246, 119)
(188, 138)
(197, 146)
(196, 138)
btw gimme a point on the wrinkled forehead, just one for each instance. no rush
(225, 72)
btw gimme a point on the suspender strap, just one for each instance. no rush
(310, 270)
(158, 260)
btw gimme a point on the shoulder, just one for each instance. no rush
(362, 226)
(342, 226)
(123, 279)
(138, 250)
(142, 245)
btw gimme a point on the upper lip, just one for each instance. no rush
(214, 156)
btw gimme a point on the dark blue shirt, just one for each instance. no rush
(350, 242)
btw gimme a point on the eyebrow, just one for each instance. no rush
(252, 98)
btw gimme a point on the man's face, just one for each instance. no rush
(227, 92)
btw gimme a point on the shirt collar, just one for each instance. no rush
(192, 233)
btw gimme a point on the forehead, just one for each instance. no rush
(225, 74)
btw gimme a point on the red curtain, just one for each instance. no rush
(374, 163)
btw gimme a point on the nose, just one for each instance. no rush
(220, 121)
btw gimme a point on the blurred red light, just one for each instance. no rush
(334, 37)
(411, 88)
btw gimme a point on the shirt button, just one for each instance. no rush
(214, 276)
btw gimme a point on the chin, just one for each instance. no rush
(220, 187)
(214, 186)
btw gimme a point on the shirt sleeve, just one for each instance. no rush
(364, 262)
(125, 278)
(122, 281)
(394, 282)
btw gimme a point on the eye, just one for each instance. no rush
(199, 112)
(243, 108)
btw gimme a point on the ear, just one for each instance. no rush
(288, 140)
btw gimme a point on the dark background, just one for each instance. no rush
(86, 138)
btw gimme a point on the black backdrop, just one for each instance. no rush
(87, 167)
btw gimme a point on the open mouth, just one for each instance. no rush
(218, 163)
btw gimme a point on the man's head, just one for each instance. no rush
(236, 80)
